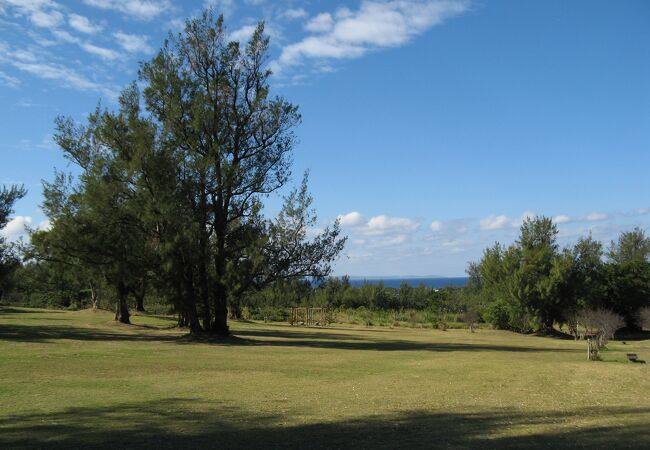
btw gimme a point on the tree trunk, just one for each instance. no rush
(139, 302)
(235, 310)
(122, 306)
(204, 259)
(189, 302)
(220, 324)
(94, 297)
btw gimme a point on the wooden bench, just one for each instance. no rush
(632, 357)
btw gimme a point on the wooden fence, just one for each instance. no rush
(308, 316)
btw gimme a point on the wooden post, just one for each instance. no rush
(588, 349)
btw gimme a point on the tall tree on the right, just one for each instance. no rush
(628, 276)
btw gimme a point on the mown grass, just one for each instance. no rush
(78, 380)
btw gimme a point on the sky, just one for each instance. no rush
(431, 129)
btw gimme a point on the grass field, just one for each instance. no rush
(79, 380)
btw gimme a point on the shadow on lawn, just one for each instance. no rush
(13, 310)
(265, 337)
(190, 423)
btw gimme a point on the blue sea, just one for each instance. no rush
(433, 282)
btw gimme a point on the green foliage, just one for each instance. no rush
(9, 260)
(631, 246)
(533, 284)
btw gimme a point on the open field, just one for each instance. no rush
(77, 379)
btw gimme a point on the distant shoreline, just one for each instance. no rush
(395, 282)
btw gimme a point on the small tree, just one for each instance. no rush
(602, 324)
(470, 318)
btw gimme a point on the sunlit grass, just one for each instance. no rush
(77, 379)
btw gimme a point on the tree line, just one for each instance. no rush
(534, 284)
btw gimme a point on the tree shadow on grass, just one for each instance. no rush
(39, 333)
(192, 423)
(348, 342)
(48, 333)
(14, 310)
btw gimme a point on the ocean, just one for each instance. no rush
(433, 282)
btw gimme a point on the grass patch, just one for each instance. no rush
(73, 379)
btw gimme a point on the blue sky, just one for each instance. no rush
(430, 127)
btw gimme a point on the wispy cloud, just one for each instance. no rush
(347, 34)
(497, 222)
(136, 9)
(494, 222)
(83, 24)
(595, 216)
(28, 63)
(41, 13)
(8, 80)
(294, 14)
(102, 52)
(133, 43)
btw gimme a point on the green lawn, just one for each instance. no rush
(78, 380)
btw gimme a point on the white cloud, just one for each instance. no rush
(137, 9)
(377, 24)
(243, 34)
(561, 218)
(294, 13)
(494, 222)
(42, 13)
(8, 80)
(353, 218)
(225, 7)
(46, 19)
(66, 76)
(64, 36)
(436, 225)
(83, 25)
(133, 43)
(321, 23)
(382, 224)
(16, 227)
(526, 215)
(104, 53)
(595, 216)
(389, 241)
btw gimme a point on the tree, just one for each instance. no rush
(600, 323)
(97, 218)
(535, 288)
(212, 102)
(180, 183)
(627, 290)
(631, 246)
(9, 260)
(470, 317)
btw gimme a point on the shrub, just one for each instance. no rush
(601, 323)
(496, 314)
